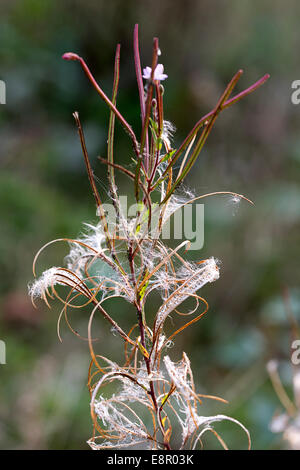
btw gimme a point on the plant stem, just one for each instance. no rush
(127, 127)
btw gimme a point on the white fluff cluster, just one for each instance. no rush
(176, 202)
(50, 278)
(167, 134)
(132, 392)
(116, 418)
(87, 261)
(193, 426)
(89, 245)
(180, 374)
(193, 280)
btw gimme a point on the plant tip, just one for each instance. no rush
(70, 56)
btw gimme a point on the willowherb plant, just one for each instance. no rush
(138, 262)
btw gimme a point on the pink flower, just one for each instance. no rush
(158, 73)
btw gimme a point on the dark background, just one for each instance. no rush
(44, 194)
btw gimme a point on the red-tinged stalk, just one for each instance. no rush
(111, 128)
(127, 127)
(147, 116)
(205, 118)
(139, 78)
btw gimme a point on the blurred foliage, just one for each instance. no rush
(44, 194)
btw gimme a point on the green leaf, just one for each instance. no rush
(143, 290)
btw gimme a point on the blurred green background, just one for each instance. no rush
(44, 194)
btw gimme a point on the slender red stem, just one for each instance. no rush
(127, 127)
